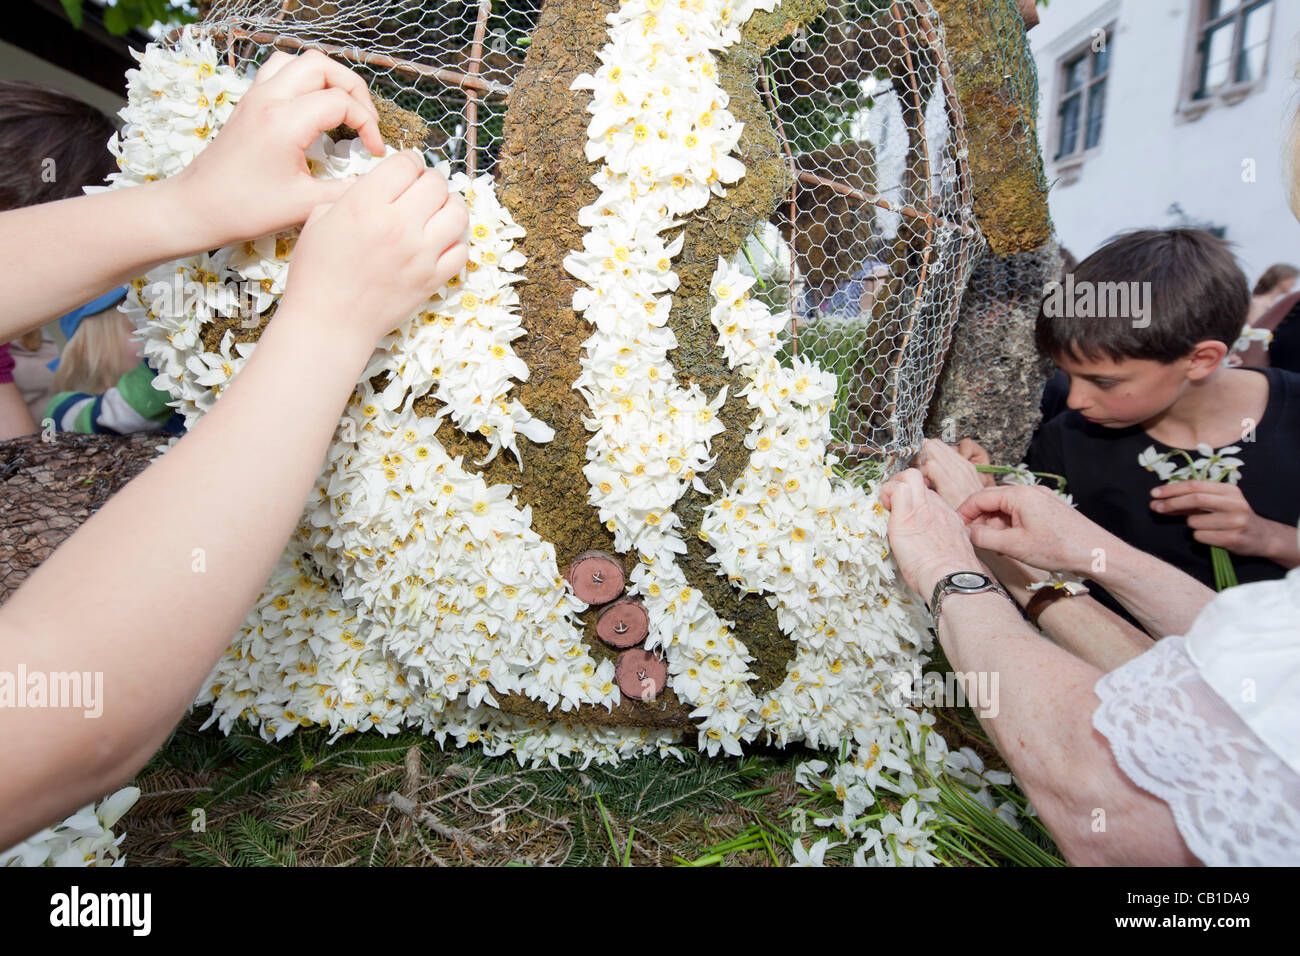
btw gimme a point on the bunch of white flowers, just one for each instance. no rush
(458, 348)
(661, 128)
(788, 527)
(176, 102)
(372, 618)
(84, 839)
(1211, 466)
(905, 837)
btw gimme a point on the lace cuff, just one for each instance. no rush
(1234, 801)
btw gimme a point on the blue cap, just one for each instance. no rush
(70, 322)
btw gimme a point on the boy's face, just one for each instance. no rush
(1117, 394)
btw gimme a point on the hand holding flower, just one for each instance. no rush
(1220, 516)
(253, 177)
(391, 241)
(1035, 526)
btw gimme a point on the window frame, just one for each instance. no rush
(1195, 100)
(1084, 92)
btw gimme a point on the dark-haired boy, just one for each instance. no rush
(1142, 338)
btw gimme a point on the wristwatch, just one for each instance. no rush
(961, 582)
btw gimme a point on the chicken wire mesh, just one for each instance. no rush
(992, 377)
(870, 246)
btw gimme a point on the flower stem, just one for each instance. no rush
(1012, 470)
(1225, 576)
(757, 278)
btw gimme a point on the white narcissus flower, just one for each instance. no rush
(813, 857)
(84, 839)
(1060, 580)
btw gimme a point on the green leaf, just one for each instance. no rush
(73, 9)
(116, 20)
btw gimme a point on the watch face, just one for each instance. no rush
(968, 579)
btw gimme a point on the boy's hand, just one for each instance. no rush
(973, 452)
(253, 179)
(366, 262)
(1219, 515)
(950, 473)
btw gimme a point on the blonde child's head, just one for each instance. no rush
(99, 351)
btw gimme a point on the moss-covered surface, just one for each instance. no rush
(545, 182)
(400, 128)
(717, 231)
(1009, 198)
(992, 351)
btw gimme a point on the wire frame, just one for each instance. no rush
(867, 253)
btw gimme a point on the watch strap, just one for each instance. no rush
(1040, 599)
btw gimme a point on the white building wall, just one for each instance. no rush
(1151, 156)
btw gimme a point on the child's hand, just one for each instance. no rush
(1219, 515)
(974, 453)
(366, 262)
(253, 178)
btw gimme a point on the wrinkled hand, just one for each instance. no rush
(1034, 526)
(950, 473)
(1217, 513)
(376, 255)
(927, 538)
(252, 179)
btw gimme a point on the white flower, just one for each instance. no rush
(84, 839)
(813, 857)
(1061, 580)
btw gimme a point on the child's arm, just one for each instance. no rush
(1219, 515)
(252, 180)
(149, 615)
(133, 405)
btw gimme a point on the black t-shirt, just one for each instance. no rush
(1284, 350)
(1101, 469)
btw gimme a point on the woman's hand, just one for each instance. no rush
(252, 179)
(949, 472)
(926, 536)
(1034, 526)
(369, 260)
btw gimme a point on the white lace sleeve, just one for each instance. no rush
(1234, 801)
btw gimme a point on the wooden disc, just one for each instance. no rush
(640, 674)
(623, 624)
(596, 577)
